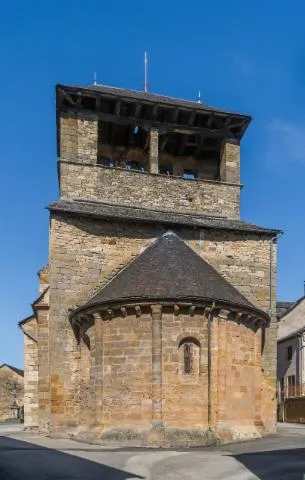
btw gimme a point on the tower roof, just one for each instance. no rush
(168, 270)
(118, 105)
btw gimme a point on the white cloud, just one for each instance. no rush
(286, 143)
(244, 66)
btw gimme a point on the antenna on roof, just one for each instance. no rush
(145, 72)
(94, 79)
(199, 97)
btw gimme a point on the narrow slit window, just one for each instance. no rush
(187, 358)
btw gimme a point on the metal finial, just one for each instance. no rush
(94, 79)
(145, 72)
(199, 97)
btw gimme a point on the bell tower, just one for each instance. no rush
(144, 150)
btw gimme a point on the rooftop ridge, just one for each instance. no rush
(148, 93)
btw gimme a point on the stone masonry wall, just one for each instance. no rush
(237, 386)
(30, 374)
(230, 163)
(8, 381)
(127, 372)
(84, 253)
(157, 192)
(78, 137)
(136, 385)
(185, 396)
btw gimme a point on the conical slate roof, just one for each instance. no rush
(168, 270)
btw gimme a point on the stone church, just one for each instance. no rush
(155, 322)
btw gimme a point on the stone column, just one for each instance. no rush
(154, 151)
(98, 326)
(156, 314)
(213, 370)
(230, 162)
(91, 417)
(79, 137)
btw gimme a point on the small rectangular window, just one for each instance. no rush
(187, 358)
(291, 386)
(289, 352)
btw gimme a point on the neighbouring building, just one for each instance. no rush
(156, 321)
(291, 362)
(11, 393)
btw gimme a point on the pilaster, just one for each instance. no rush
(154, 151)
(156, 314)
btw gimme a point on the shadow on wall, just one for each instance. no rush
(275, 464)
(26, 461)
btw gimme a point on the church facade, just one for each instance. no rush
(156, 320)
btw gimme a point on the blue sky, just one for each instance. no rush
(247, 56)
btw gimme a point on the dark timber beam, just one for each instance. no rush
(192, 117)
(163, 142)
(137, 110)
(155, 112)
(164, 127)
(113, 132)
(118, 107)
(182, 144)
(200, 146)
(175, 114)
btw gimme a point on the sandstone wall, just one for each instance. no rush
(237, 379)
(133, 382)
(126, 187)
(185, 396)
(30, 374)
(84, 253)
(9, 380)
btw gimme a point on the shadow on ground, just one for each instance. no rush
(275, 464)
(27, 461)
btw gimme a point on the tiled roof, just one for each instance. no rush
(292, 321)
(142, 215)
(16, 370)
(148, 97)
(26, 320)
(282, 308)
(169, 269)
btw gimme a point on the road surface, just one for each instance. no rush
(27, 456)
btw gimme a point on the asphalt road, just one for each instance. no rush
(25, 456)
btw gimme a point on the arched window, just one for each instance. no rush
(189, 354)
(106, 162)
(187, 358)
(135, 165)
